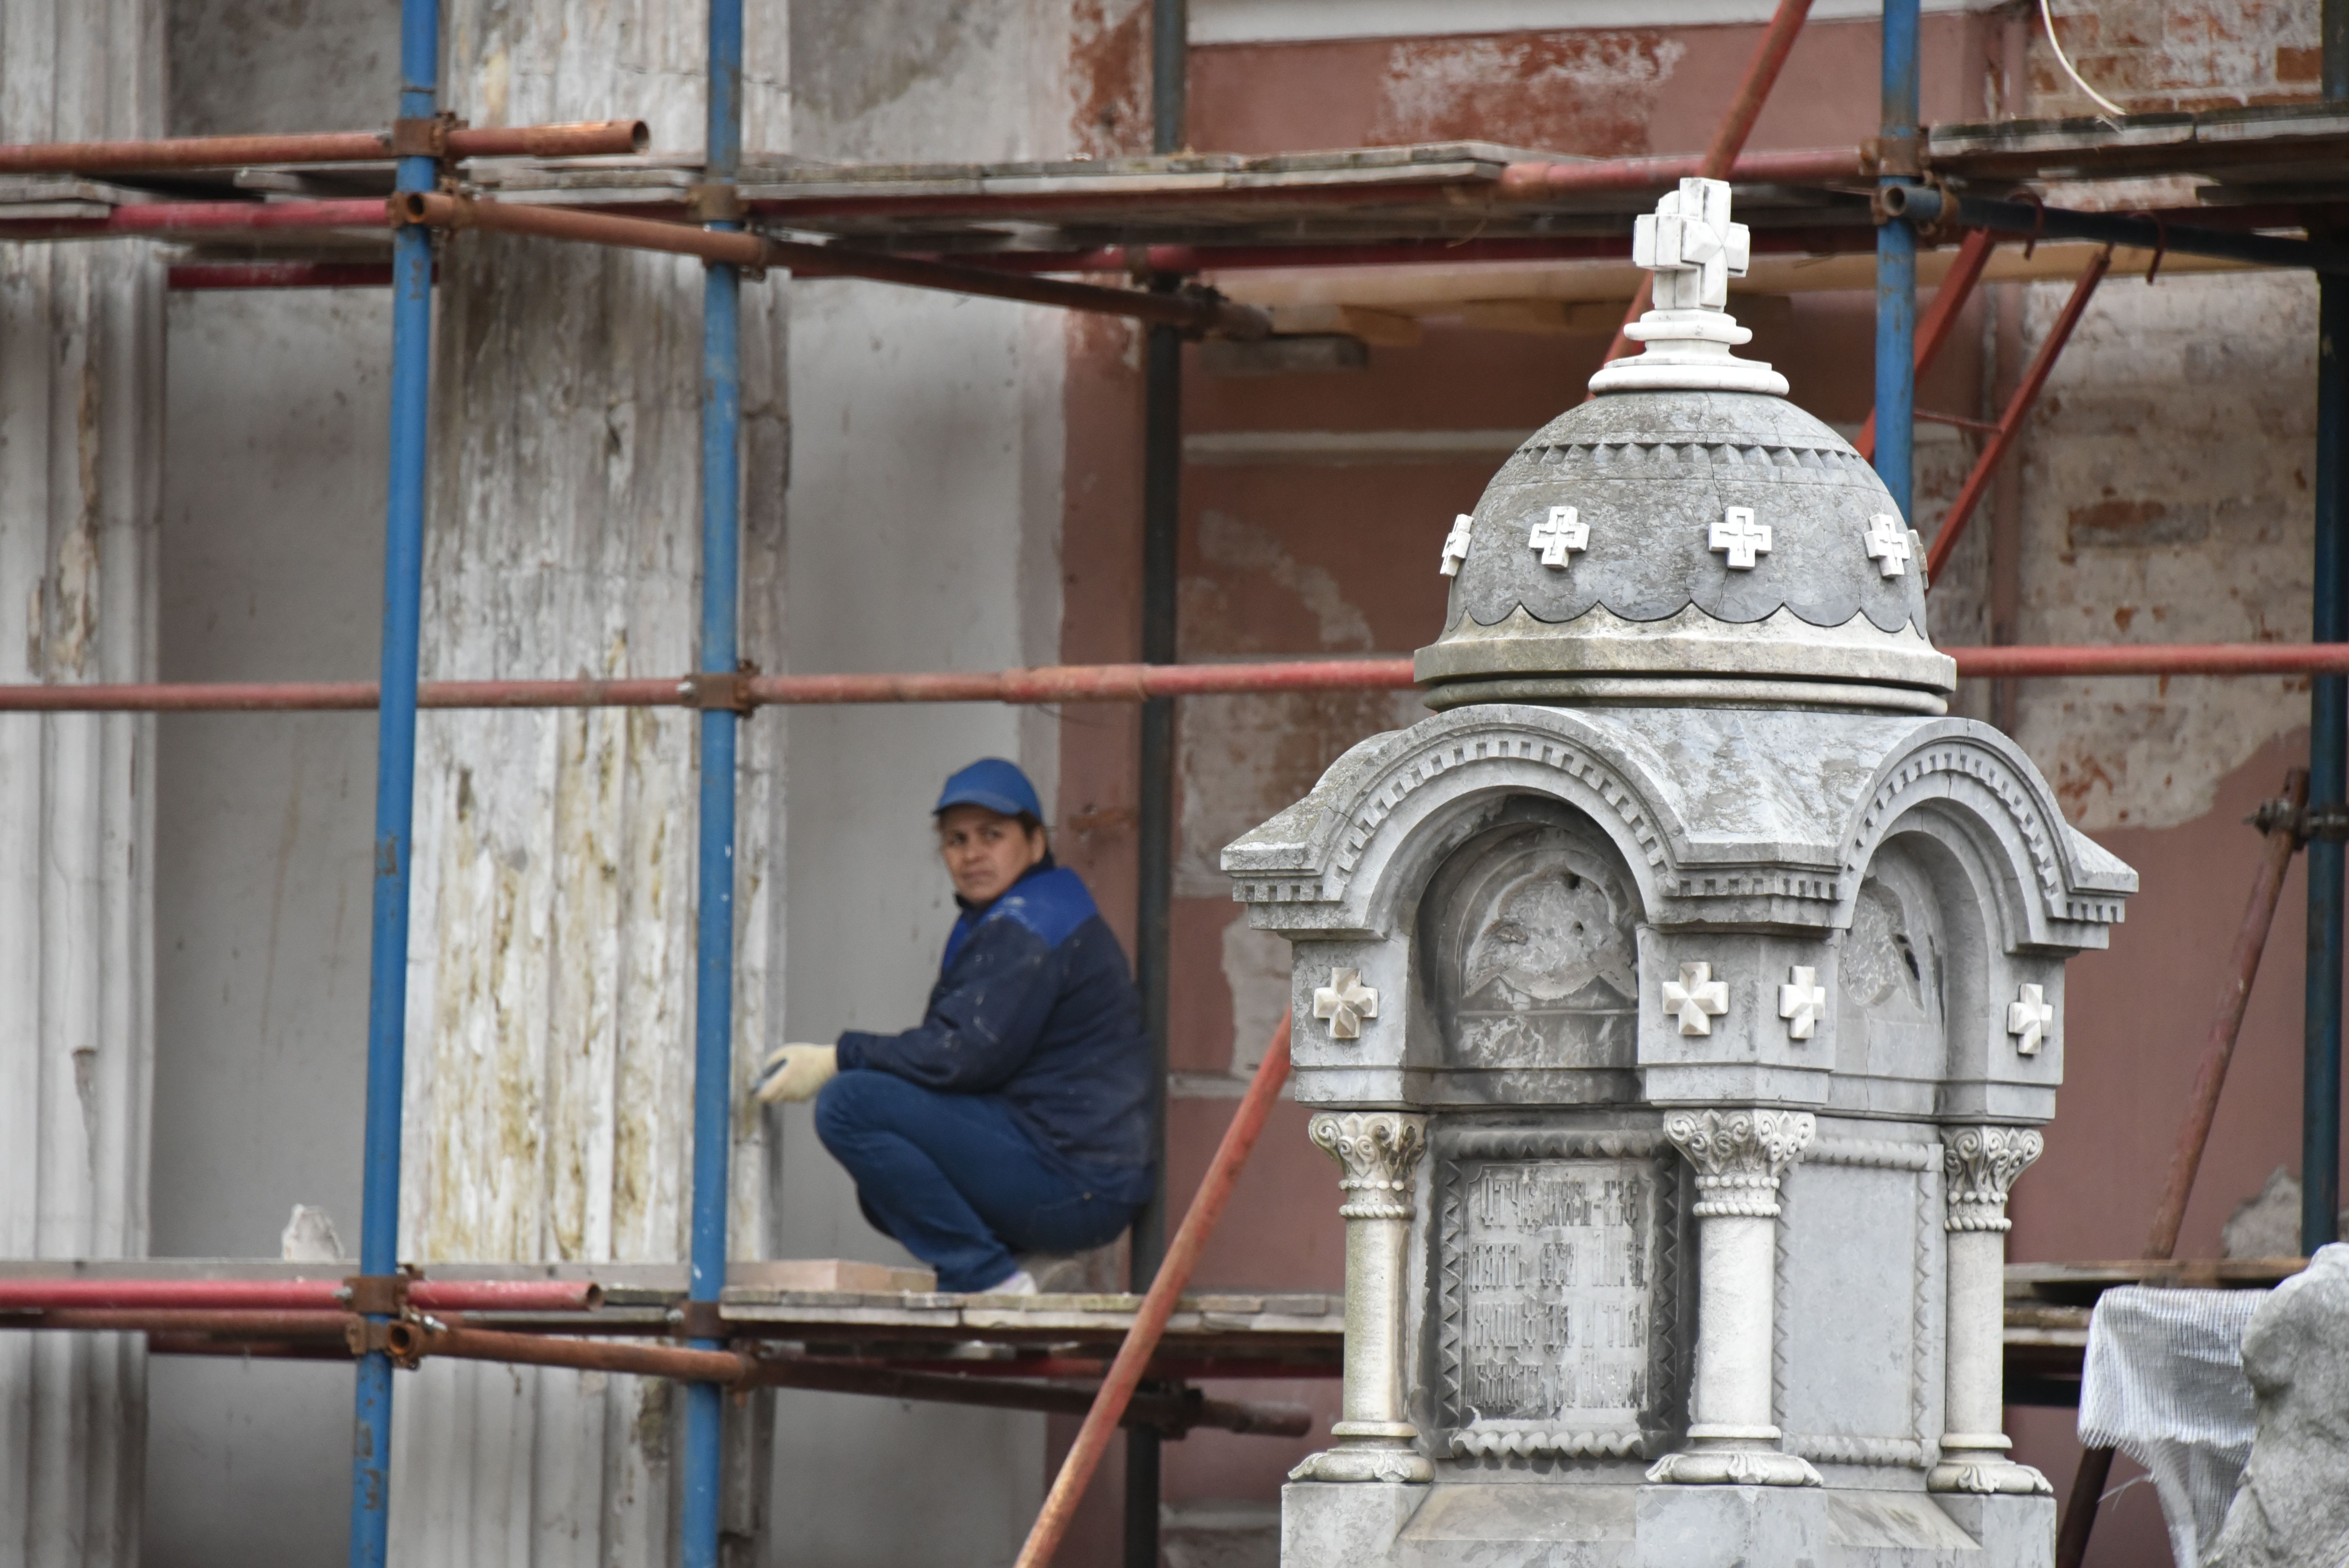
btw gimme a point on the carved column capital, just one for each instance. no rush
(1379, 1151)
(1979, 1165)
(1739, 1156)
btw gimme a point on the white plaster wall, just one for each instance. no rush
(272, 569)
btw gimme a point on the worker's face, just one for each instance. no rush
(985, 850)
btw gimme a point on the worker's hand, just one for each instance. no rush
(795, 1073)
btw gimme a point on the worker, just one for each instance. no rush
(1012, 1125)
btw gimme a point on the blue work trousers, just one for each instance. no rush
(957, 1179)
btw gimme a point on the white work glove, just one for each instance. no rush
(795, 1073)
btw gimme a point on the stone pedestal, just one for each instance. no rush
(1720, 976)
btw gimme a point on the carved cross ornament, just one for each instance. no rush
(1344, 1003)
(1740, 538)
(1887, 545)
(2028, 1018)
(1802, 1002)
(1558, 535)
(1696, 999)
(1455, 545)
(1692, 246)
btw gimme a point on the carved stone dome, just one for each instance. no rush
(1687, 536)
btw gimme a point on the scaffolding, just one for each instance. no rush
(1048, 235)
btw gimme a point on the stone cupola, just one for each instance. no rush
(1687, 535)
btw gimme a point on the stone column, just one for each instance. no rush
(1979, 1165)
(81, 399)
(1379, 1152)
(1739, 1156)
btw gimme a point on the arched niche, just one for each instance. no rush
(1912, 973)
(1527, 953)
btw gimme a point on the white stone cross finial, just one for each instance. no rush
(1696, 999)
(1558, 535)
(1690, 245)
(1344, 1003)
(1740, 538)
(1887, 545)
(1802, 1003)
(2029, 1017)
(1455, 545)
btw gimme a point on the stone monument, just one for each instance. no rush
(1679, 1003)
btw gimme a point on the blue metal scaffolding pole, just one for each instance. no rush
(395, 781)
(713, 1001)
(2328, 734)
(1896, 266)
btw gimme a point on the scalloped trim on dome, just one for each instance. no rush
(1781, 646)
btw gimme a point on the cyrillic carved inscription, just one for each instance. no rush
(1556, 1263)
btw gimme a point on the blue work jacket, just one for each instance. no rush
(1034, 1003)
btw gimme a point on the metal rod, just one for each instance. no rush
(713, 939)
(1941, 316)
(1055, 685)
(1900, 142)
(1150, 1321)
(395, 781)
(2010, 423)
(1927, 204)
(205, 217)
(1198, 313)
(1812, 166)
(1728, 137)
(293, 1295)
(2080, 1506)
(2283, 832)
(187, 277)
(588, 139)
(268, 1323)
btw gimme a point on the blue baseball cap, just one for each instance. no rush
(993, 783)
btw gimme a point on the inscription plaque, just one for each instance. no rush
(1552, 1293)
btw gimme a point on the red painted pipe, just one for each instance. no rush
(1076, 683)
(2010, 423)
(1150, 1322)
(227, 1323)
(199, 276)
(602, 137)
(1184, 260)
(205, 217)
(1814, 166)
(1184, 311)
(282, 1296)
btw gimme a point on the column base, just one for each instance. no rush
(1379, 1451)
(1977, 1463)
(1733, 1456)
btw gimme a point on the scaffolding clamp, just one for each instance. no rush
(376, 1296)
(427, 137)
(697, 1320)
(1901, 157)
(728, 689)
(714, 202)
(2328, 822)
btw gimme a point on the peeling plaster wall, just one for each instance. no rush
(81, 340)
(550, 1066)
(924, 504)
(2166, 499)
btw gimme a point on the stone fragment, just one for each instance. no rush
(2293, 1508)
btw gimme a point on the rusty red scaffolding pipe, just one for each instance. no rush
(1150, 1322)
(1067, 683)
(2010, 423)
(293, 1296)
(1810, 166)
(1957, 287)
(1203, 314)
(581, 141)
(203, 218)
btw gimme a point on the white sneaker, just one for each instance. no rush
(1019, 1282)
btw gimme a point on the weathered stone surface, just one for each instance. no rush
(2293, 1508)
